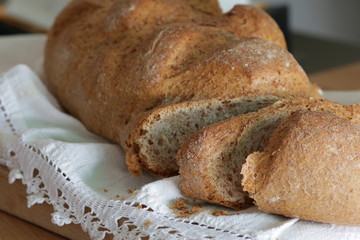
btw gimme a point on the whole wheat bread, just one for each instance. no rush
(309, 169)
(211, 160)
(110, 63)
(156, 140)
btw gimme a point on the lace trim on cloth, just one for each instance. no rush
(71, 201)
(98, 217)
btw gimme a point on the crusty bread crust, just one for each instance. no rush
(309, 169)
(211, 160)
(110, 61)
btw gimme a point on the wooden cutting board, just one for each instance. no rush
(13, 201)
(24, 230)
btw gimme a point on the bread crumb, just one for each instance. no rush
(180, 204)
(130, 191)
(120, 197)
(105, 190)
(220, 213)
(139, 207)
(147, 223)
(184, 209)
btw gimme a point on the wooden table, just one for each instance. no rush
(24, 230)
(13, 197)
(340, 78)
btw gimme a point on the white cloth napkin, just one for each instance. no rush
(84, 177)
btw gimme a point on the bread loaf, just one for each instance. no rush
(309, 169)
(211, 160)
(110, 63)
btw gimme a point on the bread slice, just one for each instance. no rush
(157, 138)
(309, 170)
(211, 160)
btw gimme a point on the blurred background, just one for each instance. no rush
(321, 34)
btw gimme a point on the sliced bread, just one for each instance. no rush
(211, 160)
(157, 138)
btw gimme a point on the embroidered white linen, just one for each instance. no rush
(85, 179)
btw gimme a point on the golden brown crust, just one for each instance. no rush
(245, 20)
(309, 169)
(194, 161)
(210, 146)
(110, 61)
